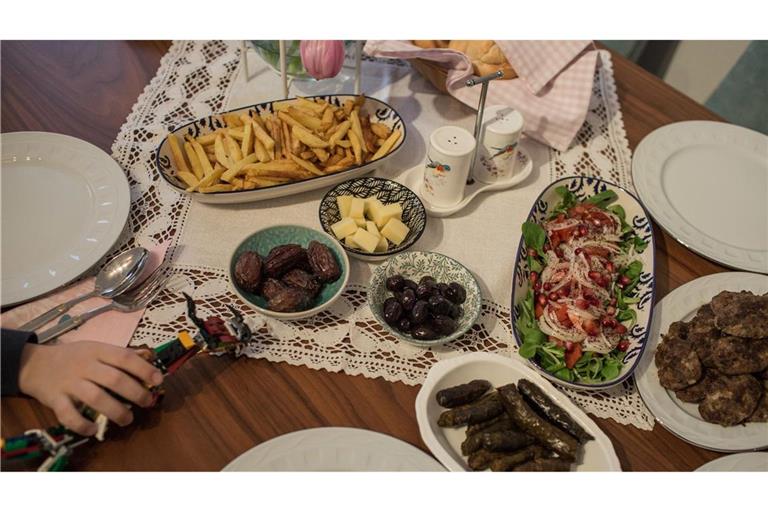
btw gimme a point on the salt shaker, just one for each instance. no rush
(449, 160)
(498, 148)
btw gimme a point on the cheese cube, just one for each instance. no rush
(369, 203)
(383, 245)
(344, 228)
(360, 222)
(371, 227)
(390, 211)
(344, 203)
(357, 208)
(350, 242)
(365, 240)
(395, 231)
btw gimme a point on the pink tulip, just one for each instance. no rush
(322, 59)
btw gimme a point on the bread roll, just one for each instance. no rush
(486, 56)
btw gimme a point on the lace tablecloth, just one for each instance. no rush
(197, 78)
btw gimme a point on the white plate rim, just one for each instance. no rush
(360, 438)
(752, 460)
(113, 171)
(426, 429)
(690, 297)
(655, 148)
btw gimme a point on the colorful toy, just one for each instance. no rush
(215, 336)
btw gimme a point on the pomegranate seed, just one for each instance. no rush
(609, 267)
(624, 280)
(594, 301)
(582, 303)
(542, 299)
(594, 275)
(559, 252)
(534, 276)
(537, 286)
(578, 251)
(609, 321)
(621, 329)
(610, 310)
(547, 287)
(583, 230)
(623, 345)
(562, 293)
(613, 301)
(553, 296)
(568, 346)
(532, 252)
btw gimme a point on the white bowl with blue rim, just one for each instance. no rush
(414, 265)
(265, 240)
(637, 216)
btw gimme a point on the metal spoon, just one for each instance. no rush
(113, 279)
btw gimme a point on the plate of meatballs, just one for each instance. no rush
(704, 375)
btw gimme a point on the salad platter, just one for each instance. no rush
(583, 284)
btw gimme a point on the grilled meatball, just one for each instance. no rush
(741, 314)
(696, 393)
(678, 330)
(731, 400)
(732, 355)
(761, 411)
(678, 365)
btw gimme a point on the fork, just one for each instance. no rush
(133, 300)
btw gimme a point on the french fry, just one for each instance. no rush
(356, 147)
(308, 138)
(327, 120)
(233, 148)
(276, 130)
(307, 155)
(221, 154)
(356, 128)
(204, 162)
(275, 165)
(232, 120)
(306, 164)
(261, 151)
(207, 139)
(307, 121)
(380, 129)
(188, 178)
(237, 133)
(333, 159)
(263, 136)
(310, 105)
(221, 187)
(263, 182)
(178, 156)
(194, 161)
(286, 139)
(211, 178)
(321, 154)
(237, 168)
(368, 136)
(346, 144)
(246, 146)
(256, 118)
(339, 134)
(348, 106)
(387, 145)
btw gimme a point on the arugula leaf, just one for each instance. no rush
(603, 199)
(568, 200)
(534, 236)
(627, 314)
(528, 350)
(633, 270)
(535, 265)
(611, 368)
(565, 374)
(640, 244)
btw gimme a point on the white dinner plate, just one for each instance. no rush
(64, 205)
(706, 184)
(334, 449)
(681, 418)
(445, 443)
(738, 462)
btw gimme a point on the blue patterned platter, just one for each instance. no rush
(415, 265)
(265, 240)
(636, 215)
(378, 111)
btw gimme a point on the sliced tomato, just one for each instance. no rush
(538, 310)
(591, 326)
(561, 313)
(597, 251)
(573, 355)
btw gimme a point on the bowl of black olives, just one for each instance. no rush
(424, 298)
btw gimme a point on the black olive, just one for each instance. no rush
(428, 279)
(395, 283)
(420, 312)
(404, 324)
(423, 332)
(408, 299)
(442, 288)
(444, 324)
(439, 305)
(456, 311)
(424, 290)
(392, 311)
(410, 284)
(456, 293)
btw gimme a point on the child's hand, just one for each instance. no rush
(61, 375)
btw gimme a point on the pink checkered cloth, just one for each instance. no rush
(552, 92)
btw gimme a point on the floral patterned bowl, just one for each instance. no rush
(264, 240)
(637, 216)
(415, 265)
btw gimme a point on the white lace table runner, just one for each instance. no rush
(197, 78)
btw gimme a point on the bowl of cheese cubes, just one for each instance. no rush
(373, 218)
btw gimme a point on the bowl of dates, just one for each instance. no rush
(424, 298)
(289, 272)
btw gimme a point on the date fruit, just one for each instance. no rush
(323, 262)
(289, 299)
(272, 287)
(248, 271)
(283, 259)
(303, 280)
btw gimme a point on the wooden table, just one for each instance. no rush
(217, 408)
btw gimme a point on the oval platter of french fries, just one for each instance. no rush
(280, 148)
